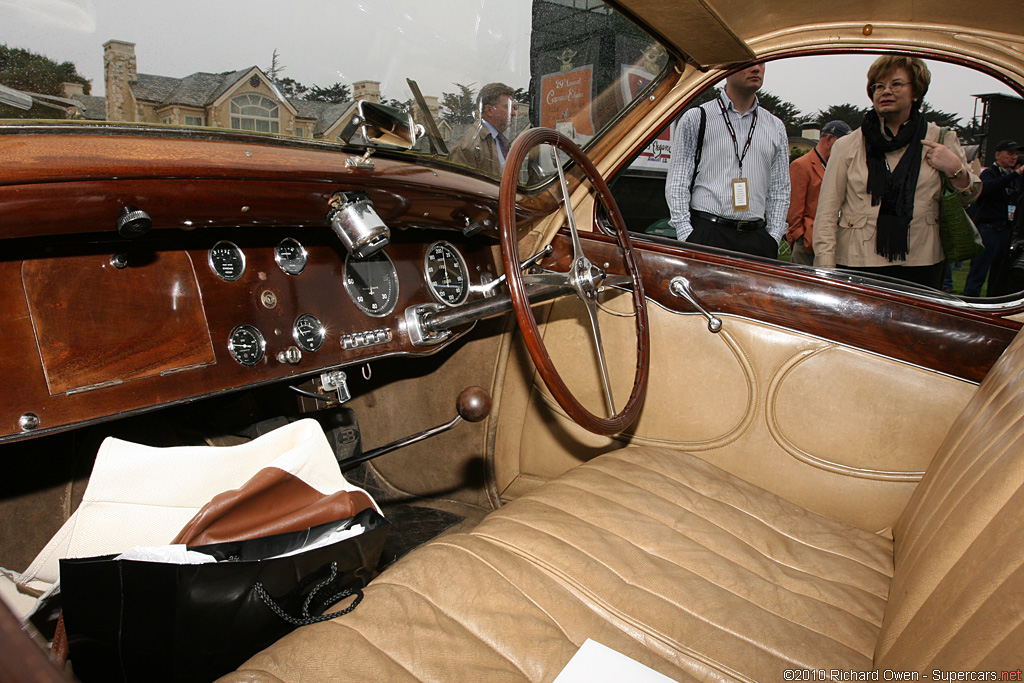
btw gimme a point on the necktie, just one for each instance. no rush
(503, 144)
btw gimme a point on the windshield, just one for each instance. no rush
(472, 73)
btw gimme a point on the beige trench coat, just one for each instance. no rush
(845, 225)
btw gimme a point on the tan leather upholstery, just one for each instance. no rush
(702, 576)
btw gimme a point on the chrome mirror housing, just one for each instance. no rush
(380, 125)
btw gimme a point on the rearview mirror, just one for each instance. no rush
(380, 125)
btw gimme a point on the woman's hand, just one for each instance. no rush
(943, 159)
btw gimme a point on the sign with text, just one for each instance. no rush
(656, 155)
(565, 98)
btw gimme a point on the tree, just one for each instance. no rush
(275, 69)
(459, 107)
(31, 72)
(289, 87)
(851, 114)
(335, 93)
(787, 112)
(940, 118)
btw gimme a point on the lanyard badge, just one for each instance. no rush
(740, 186)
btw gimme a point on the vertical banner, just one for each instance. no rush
(565, 100)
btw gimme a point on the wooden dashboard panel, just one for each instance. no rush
(97, 323)
(76, 355)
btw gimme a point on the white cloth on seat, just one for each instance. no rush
(141, 495)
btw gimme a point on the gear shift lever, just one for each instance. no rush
(472, 405)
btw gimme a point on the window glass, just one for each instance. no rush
(980, 110)
(573, 65)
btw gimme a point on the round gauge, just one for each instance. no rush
(290, 256)
(447, 274)
(246, 345)
(227, 261)
(308, 332)
(372, 283)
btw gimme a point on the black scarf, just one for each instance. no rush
(893, 190)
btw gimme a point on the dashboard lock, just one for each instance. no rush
(353, 218)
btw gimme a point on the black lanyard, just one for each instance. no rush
(732, 132)
(819, 157)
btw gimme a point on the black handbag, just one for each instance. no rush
(961, 240)
(130, 620)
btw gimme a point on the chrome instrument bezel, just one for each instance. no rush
(216, 268)
(321, 330)
(287, 266)
(392, 275)
(464, 293)
(259, 339)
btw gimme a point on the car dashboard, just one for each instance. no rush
(97, 325)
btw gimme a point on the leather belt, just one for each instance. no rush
(741, 226)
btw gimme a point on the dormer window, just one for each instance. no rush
(255, 112)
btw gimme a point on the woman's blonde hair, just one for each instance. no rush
(920, 76)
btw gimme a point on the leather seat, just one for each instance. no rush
(702, 576)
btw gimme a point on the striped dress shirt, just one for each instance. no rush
(765, 166)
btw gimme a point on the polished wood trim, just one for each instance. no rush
(319, 291)
(939, 336)
(66, 184)
(97, 323)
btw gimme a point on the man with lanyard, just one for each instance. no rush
(732, 189)
(805, 174)
(994, 214)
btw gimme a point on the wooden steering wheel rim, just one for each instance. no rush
(525, 142)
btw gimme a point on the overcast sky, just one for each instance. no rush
(326, 41)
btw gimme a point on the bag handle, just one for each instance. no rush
(947, 184)
(306, 618)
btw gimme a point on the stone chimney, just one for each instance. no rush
(72, 90)
(120, 73)
(366, 90)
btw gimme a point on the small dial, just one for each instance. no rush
(246, 345)
(227, 261)
(372, 284)
(308, 332)
(447, 274)
(290, 256)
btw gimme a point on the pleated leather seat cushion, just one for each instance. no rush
(659, 555)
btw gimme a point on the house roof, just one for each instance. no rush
(325, 113)
(93, 108)
(196, 90)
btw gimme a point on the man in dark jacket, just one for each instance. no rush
(995, 213)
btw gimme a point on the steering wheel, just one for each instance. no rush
(584, 277)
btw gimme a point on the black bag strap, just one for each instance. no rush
(305, 619)
(700, 147)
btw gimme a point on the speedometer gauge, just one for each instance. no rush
(446, 273)
(372, 284)
(290, 256)
(226, 260)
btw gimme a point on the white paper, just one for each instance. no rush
(166, 554)
(333, 537)
(594, 663)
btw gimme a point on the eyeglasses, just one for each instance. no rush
(895, 87)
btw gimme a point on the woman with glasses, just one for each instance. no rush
(878, 210)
